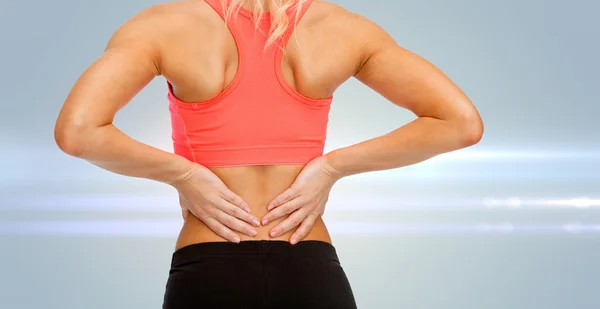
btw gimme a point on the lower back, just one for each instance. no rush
(257, 186)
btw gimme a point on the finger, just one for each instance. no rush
(234, 223)
(235, 199)
(236, 212)
(304, 228)
(221, 230)
(288, 224)
(281, 211)
(284, 197)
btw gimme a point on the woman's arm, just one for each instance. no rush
(446, 120)
(85, 129)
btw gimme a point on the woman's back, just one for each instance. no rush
(199, 58)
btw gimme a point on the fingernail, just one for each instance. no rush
(269, 207)
(274, 233)
(236, 239)
(247, 209)
(293, 241)
(265, 221)
(253, 233)
(256, 222)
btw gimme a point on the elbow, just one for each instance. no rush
(69, 138)
(470, 129)
(474, 134)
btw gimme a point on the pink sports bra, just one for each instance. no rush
(258, 119)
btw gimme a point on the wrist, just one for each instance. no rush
(331, 166)
(185, 169)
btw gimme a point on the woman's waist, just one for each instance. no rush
(195, 231)
(257, 186)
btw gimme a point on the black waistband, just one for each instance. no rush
(315, 248)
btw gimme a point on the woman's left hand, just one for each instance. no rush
(304, 201)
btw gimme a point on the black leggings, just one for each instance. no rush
(258, 274)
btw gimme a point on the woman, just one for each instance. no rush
(250, 84)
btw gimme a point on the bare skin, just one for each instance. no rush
(188, 44)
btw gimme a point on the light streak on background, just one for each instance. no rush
(169, 203)
(170, 228)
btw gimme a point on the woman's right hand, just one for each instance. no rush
(203, 194)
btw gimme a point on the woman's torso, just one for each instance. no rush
(200, 59)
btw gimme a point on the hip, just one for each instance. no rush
(257, 274)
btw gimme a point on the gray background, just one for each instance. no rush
(509, 223)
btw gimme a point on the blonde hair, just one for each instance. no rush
(277, 10)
